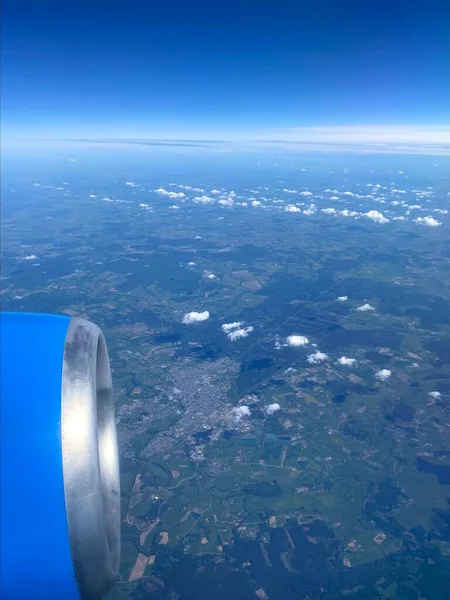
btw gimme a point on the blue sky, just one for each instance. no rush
(218, 69)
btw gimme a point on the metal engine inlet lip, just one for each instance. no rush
(90, 459)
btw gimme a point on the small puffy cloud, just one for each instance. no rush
(146, 206)
(317, 357)
(271, 408)
(226, 202)
(174, 207)
(239, 412)
(376, 216)
(30, 257)
(288, 191)
(309, 211)
(346, 362)
(215, 192)
(342, 298)
(365, 307)
(348, 194)
(227, 327)
(162, 192)
(383, 374)
(329, 211)
(92, 196)
(349, 213)
(130, 184)
(236, 330)
(241, 332)
(428, 221)
(401, 218)
(203, 199)
(195, 317)
(292, 208)
(210, 276)
(305, 193)
(297, 340)
(256, 203)
(191, 264)
(188, 187)
(435, 395)
(106, 199)
(334, 197)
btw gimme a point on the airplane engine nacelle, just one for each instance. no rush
(60, 495)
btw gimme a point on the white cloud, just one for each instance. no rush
(349, 213)
(309, 211)
(271, 408)
(435, 395)
(164, 192)
(130, 183)
(242, 332)
(346, 362)
(329, 211)
(317, 357)
(226, 201)
(365, 307)
(195, 317)
(92, 196)
(30, 257)
(203, 199)
(376, 216)
(428, 221)
(334, 197)
(289, 191)
(297, 340)
(227, 327)
(239, 412)
(174, 207)
(342, 298)
(191, 264)
(256, 203)
(215, 192)
(305, 193)
(383, 374)
(210, 276)
(292, 208)
(348, 194)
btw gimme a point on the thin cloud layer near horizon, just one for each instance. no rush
(327, 74)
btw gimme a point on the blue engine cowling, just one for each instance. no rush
(60, 495)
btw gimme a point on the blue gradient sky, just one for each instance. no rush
(212, 69)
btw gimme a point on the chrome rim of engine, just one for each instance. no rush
(90, 459)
